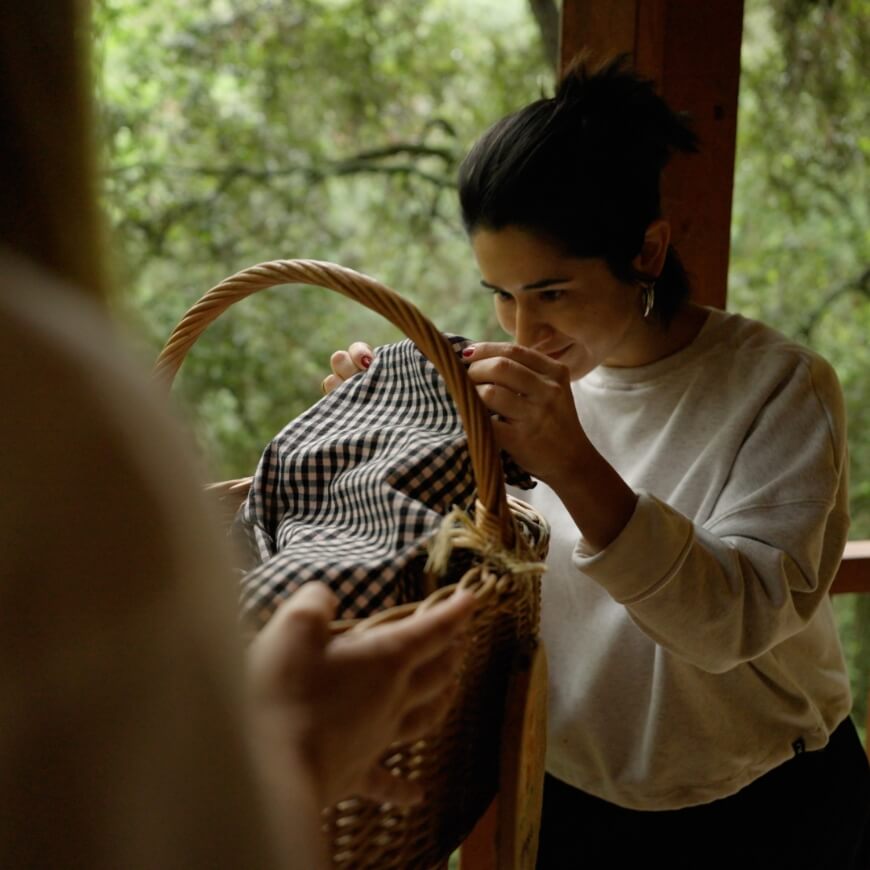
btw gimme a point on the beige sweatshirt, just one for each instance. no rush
(689, 657)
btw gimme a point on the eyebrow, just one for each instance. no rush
(535, 285)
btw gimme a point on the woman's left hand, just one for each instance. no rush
(537, 422)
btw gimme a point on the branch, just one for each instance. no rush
(857, 284)
(354, 167)
(362, 161)
(444, 154)
(157, 228)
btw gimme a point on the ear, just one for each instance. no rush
(651, 259)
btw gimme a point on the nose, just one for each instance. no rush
(530, 328)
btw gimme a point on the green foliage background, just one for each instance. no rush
(243, 131)
(324, 129)
(800, 256)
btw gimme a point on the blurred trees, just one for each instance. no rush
(801, 248)
(250, 130)
(324, 129)
(800, 257)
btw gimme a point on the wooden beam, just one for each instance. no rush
(853, 577)
(692, 51)
(606, 28)
(854, 573)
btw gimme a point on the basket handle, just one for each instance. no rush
(495, 519)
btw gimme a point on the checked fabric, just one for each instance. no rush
(351, 491)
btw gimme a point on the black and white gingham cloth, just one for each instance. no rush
(351, 491)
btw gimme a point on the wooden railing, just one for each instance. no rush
(854, 573)
(853, 578)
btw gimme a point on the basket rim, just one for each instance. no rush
(496, 519)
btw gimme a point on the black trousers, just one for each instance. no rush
(810, 813)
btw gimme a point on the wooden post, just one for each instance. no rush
(692, 51)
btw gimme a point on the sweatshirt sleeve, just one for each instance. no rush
(724, 591)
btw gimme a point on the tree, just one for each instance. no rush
(327, 129)
(800, 249)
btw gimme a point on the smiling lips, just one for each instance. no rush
(556, 354)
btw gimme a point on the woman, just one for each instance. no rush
(693, 468)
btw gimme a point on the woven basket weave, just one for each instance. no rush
(458, 764)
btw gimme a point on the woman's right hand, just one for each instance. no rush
(347, 363)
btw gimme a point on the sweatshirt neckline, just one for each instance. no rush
(616, 376)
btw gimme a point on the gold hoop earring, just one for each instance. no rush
(647, 297)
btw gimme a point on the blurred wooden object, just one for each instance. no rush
(853, 578)
(507, 836)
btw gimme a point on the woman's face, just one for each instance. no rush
(571, 309)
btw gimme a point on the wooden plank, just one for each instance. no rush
(700, 75)
(853, 578)
(649, 43)
(506, 836)
(521, 776)
(854, 573)
(605, 28)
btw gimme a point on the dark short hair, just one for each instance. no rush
(582, 170)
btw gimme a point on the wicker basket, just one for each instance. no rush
(458, 765)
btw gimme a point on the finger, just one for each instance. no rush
(427, 634)
(299, 628)
(512, 375)
(310, 608)
(504, 402)
(313, 596)
(361, 354)
(487, 349)
(342, 365)
(527, 356)
(399, 647)
(329, 383)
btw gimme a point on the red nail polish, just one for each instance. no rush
(366, 361)
(468, 351)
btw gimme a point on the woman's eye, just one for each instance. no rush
(501, 295)
(551, 295)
